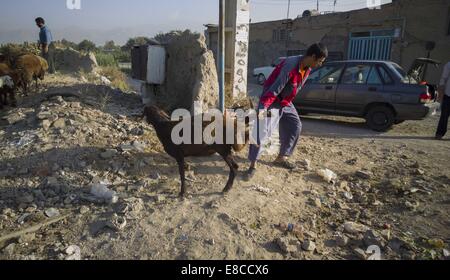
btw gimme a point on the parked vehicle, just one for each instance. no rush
(262, 73)
(379, 91)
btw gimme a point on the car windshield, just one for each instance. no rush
(405, 77)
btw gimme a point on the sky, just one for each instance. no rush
(118, 20)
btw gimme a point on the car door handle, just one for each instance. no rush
(329, 87)
(373, 89)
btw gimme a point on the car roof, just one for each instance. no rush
(361, 61)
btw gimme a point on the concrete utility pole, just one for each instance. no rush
(317, 5)
(287, 26)
(221, 55)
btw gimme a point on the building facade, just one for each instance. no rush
(400, 31)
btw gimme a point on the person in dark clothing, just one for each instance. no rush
(45, 44)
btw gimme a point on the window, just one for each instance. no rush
(328, 74)
(385, 75)
(280, 35)
(374, 78)
(356, 75)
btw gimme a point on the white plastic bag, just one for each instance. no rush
(101, 191)
(328, 175)
(268, 134)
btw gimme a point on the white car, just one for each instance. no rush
(262, 73)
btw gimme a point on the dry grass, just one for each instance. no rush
(116, 76)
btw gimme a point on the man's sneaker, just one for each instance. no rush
(439, 137)
(249, 174)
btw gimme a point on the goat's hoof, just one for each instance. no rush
(226, 190)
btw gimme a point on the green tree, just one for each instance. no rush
(135, 41)
(110, 46)
(86, 46)
(69, 44)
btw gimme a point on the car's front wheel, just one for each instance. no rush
(261, 79)
(380, 118)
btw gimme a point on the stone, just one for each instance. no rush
(285, 246)
(317, 202)
(78, 118)
(9, 250)
(44, 115)
(59, 123)
(372, 237)
(364, 174)
(117, 223)
(342, 240)
(46, 124)
(308, 245)
(26, 198)
(51, 212)
(108, 154)
(446, 253)
(84, 209)
(52, 182)
(159, 198)
(73, 253)
(27, 238)
(353, 228)
(360, 253)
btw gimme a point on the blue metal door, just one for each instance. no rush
(370, 48)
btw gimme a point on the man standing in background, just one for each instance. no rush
(444, 97)
(45, 44)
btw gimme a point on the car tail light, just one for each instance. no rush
(425, 97)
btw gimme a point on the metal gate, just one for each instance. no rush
(370, 48)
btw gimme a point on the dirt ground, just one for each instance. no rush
(392, 189)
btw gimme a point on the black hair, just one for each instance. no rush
(317, 49)
(40, 20)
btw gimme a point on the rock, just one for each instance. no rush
(420, 172)
(108, 154)
(84, 210)
(306, 163)
(159, 198)
(436, 243)
(23, 171)
(73, 253)
(412, 205)
(285, 246)
(59, 123)
(344, 186)
(446, 253)
(364, 174)
(316, 202)
(308, 245)
(328, 175)
(9, 250)
(26, 198)
(138, 146)
(116, 223)
(23, 218)
(353, 228)
(360, 253)
(27, 238)
(130, 207)
(52, 182)
(372, 237)
(78, 118)
(51, 212)
(46, 124)
(342, 240)
(44, 115)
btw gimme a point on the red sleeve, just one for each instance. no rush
(268, 97)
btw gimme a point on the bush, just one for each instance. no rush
(105, 59)
(118, 78)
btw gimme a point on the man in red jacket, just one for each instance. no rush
(280, 90)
